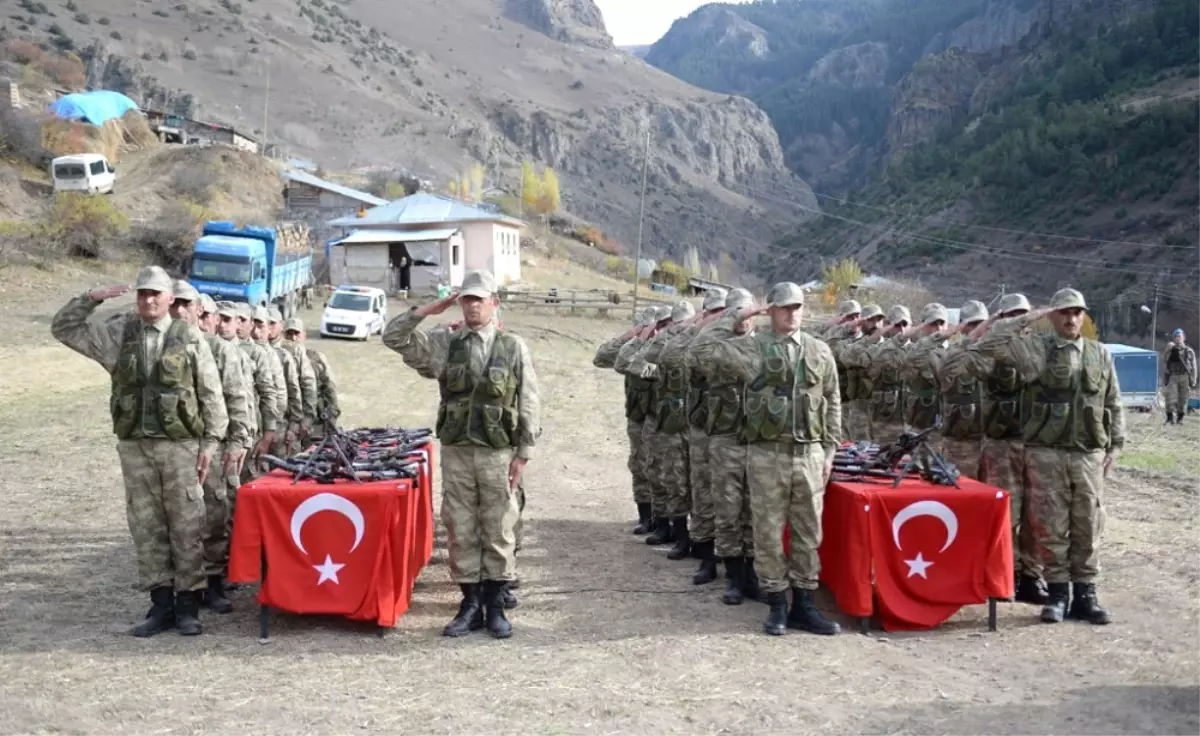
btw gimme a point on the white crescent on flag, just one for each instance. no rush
(327, 502)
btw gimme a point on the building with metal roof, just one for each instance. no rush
(306, 192)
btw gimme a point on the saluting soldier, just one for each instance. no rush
(1074, 428)
(169, 416)
(327, 396)
(853, 380)
(919, 366)
(962, 395)
(881, 357)
(488, 424)
(793, 425)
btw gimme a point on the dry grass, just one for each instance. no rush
(610, 636)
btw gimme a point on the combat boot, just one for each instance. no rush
(805, 616)
(1031, 590)
(683, 542)
(187, 612)
(1056, 608)
(214, 596)
(707, 572)
(470, 612)
(509, 599)
(662, 533)
(777, 617)
(1170, 418)
(1085, 607)
(645, 524)
(493, 599)
(161, 615)
(750, 587)
(734, 567)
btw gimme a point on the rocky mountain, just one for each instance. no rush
(432, 87)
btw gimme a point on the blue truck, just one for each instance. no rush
(1137, 372)
(252, 264)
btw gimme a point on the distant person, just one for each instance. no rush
(1179, 369)
(169, 416)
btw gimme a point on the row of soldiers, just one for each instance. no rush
(201, 390)
(732, 431)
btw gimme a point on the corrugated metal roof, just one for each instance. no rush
(313, 181)
(423, 208)
(360, 237)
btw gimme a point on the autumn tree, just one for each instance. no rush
(549, 197)
(531, 188)
(840, 276)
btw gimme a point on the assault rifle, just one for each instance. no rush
(910, 453)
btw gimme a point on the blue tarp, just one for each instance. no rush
(1137, 368)
(96, 107)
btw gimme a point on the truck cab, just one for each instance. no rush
(231, 269)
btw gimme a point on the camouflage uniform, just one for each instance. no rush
(269, 387)
(882, 359)
(1179, 365)
(961, 398)
(159, 440)
(289, 373)
(489, 414)
(852, 380)
(305, 383)
(327, 395)
(1071, 417)
(792, 424)
(919, 369)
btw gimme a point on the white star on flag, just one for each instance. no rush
(918, 566)
(328, 571)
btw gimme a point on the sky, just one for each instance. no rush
(642, 22)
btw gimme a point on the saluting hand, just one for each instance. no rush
(104, 293)
(441, 305)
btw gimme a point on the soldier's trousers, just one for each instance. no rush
(637, 469)
(650, 456)
(1068, 514)
(733, 532)
(165, 509)
(218, 515)
(480, 513)
(858, 421)
(965, 455)
(700, 473)
(785, 486)
(1175, 393)
(673, 473)
(1002, 464)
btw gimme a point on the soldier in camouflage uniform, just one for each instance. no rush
(1179, 367)
(961, 395)
(1002, 454)
(169, 417)
(488, 423)
(305, 376)
(733, 532)
(327, 396)
(236, 326)
(792, 425)
(919, 367)
(880, 357)
(189, 306)
(287, 381)
(1074, 427)
(670, 448)
(853, 381)
(637, 406)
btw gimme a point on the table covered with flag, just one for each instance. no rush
(921, 551)
(346, 548)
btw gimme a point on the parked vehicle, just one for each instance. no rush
(256, 265)
(1137, 372)
(354, 311)
(83, 172)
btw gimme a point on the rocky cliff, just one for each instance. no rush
(569, 21)
(937, 93)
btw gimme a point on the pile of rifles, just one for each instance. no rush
(363, 455)
(910, 454)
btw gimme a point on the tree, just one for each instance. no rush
(473, 183)
(691, 260)
(549, 198)
(531, 188)
(840, 276)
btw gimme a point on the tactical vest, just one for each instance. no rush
(479, 410)
(319, 376)
(723, 404)
(1002, 403)
(158, 400)
(782, 404)
(637, 399)
(1175, 361)
(887, 395)
(963, 406)
(856, 384)
(672, 399)
(921, 398)
(1065, 408)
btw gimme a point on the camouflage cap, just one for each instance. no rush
(295, 324)
(1013, 303)
(785, 294)
(898, 314)
(972, 311)
(683, 310)
(1067, 299)
(228, 309)
(934, 312)
(273, 314)
(478, 283)
(849, 307)
(871, 311)
(207, 305)
(714, 299)
(661, 312)
(184, 292)
(260, 314)
(154, 278)
(739, 298)
(243, 310)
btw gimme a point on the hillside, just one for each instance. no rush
(474, 80)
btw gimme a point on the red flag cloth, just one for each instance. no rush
(343, 548)
(845, 550)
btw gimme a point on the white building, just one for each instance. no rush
(423, 240)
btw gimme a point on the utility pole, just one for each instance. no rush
(1154, 321)
(637, 261)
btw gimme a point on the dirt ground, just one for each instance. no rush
(610, 636)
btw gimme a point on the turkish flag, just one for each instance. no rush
(342, 548)
(936, 549)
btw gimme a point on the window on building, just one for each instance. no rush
(454, 255)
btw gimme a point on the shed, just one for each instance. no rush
(1137, 373)
(307, 193)
(398, 261)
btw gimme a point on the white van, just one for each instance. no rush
(83, 172)
(354, 311)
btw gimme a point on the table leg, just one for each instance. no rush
(864, 624)
(991, 614)
(263, 622)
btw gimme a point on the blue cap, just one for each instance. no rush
(1178, 331)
